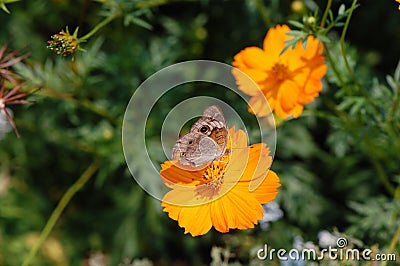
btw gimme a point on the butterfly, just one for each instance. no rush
(206, 140)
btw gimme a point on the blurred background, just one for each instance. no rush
(331, 184)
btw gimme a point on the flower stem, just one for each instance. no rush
(143, 4)
(333, 65)
(342, 37)
(100, 111)
(98, 27)
(325, 16)
(344, 55)
(66, 198)
(263, 12)
(380, 170)
(103, 112)
(327, 53)
(397, 193)
(152, 3)
(392, 244)
(396, 237)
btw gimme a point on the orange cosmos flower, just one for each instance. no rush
(226, 194)
(398, 1)
(288, 80)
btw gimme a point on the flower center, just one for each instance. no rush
(280, 71)
(213, 178)
(214, 171)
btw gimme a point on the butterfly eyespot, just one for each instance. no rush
(204, 129)
(207, 137)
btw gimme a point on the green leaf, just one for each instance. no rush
(75, 34)
(350, 101)
(339, 24)
(330, 15)
(301, 194)
(392, 83)
(305, 41)
(397, 72)
(371, 218)
(324, 38)
(296, 24)
(342, 10)
(135, 20)
(295, 33)
(3, 4)
(290, 43)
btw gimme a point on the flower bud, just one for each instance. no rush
(63, 43)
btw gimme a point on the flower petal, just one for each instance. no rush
(172, 210)
(288, 95)
(175, 175)
(196, 220)
(245, 79)
(268, 189)
(222, 217)
(259, 105)
(246, 208)
(252, 58)
(274, 41)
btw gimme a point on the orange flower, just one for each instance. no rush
(226, 194)
(398, 1)
(288, 80)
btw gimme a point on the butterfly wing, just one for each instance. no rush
(206, 140)
(215, 113)
(212, 124)
(186, 149)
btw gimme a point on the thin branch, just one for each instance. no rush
(66, 198)
(326, 12)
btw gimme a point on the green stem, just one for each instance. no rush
(99, 110)
(263, 12)
(316, 113)
(342, 37)
(396, 237)
(329, 27)
(392, 245)
(333, 65)
(344, 55)
(84, 103)
(397, 193)
(152, 3)
(325, 16)
(333, 107)
(380, 171)
(98, 27)
(327, 53)
(377, 165)
(144, 4)
(66, 198)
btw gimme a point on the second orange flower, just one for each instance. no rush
(288, 80)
